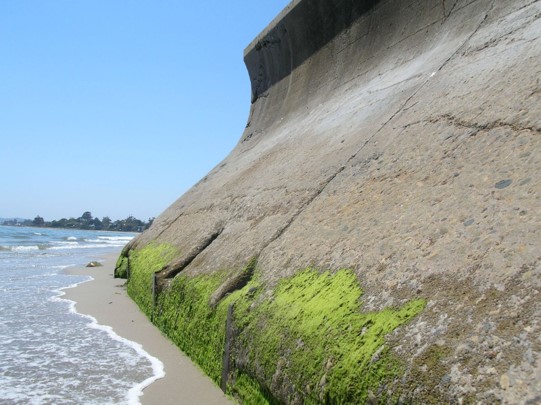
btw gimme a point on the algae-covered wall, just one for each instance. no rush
(374, 236)
(309, 331)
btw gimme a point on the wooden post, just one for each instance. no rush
(154, 279)
(128, 271)
(227, 349)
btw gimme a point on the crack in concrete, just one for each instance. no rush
(169, 225)
(175, 267)
(318, 192)
(477, 127)
(445, 13)
(492, 42)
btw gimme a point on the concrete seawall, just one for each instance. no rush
(301, 30)
(399, 140)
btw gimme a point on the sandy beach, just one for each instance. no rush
(105, 299)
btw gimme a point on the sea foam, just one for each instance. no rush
(51, 355)
(135, 392)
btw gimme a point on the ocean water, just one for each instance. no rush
(49, 354)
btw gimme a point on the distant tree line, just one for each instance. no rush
(87, 221)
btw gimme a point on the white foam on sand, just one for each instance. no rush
(134, 393)
(76, 245)
(116, 238)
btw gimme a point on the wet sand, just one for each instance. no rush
(105, 299)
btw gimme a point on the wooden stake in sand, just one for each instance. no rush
(227, 349)
(154, 292)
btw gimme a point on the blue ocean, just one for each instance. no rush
(49, 354)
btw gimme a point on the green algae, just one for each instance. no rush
(313, 335)
(249, 390)
(185, 316)
(121, 268)
(143, 263)
(305, 341)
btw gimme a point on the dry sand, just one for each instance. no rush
(105, 299)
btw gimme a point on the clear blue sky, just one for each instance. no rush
(119, 106)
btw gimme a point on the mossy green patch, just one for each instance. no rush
(143, 263)
(305, 341)
(249, 390)
(121, 268)
(313, 336)
(183, 313)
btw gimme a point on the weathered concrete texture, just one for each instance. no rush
(405, 145)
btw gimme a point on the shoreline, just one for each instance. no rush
(105, 299)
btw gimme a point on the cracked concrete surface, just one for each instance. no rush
(408, 149)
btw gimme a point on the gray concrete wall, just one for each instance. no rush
(302, 30)
(400, 139)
